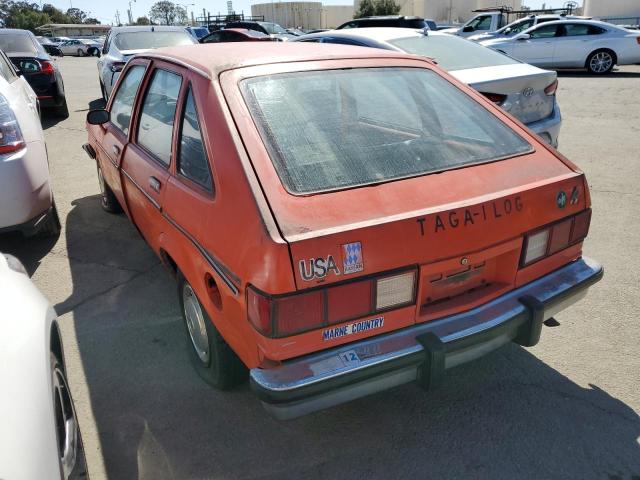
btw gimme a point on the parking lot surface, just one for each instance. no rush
(567, 408)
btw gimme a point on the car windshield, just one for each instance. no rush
(452, 53)
(17, 43)
(327, 130)
(140, 40)
(273, 28)
(516, 27)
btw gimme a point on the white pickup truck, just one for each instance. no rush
(481, 23)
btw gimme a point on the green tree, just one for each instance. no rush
(76, 15)
(365, 9)
(386, 7)
(167, 13)
(28, 20)
(91, 21)
(142, 21)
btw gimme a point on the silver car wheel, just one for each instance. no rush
(195, 323)
(601, 62)
(66, 424)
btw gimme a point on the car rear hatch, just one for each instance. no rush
(518, 88)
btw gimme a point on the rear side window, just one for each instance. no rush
(546, 31)
(334, 129)
(576, 29)
(123, 100)
(6, 70)
(158, 113)
(192, 159)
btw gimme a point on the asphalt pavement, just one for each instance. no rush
(565, 409)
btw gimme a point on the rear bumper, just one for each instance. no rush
(422, 352)
(548, 128)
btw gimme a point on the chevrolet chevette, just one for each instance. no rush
(339, 220)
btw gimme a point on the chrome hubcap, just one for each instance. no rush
(601, 62)
(195, 323)
(66, 424)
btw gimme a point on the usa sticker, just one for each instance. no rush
(352, 260)
(350, 329)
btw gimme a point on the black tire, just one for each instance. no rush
(108, 200)
(80, 52)
(63, 110)
(51, 225)
(222, 368)
(601, 62)
(73, 464)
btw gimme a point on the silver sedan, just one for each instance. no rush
(525, 91)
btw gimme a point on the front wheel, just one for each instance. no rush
(211, 356)
(80, 52)
(600, 62)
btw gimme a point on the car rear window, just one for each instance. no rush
(17, 43)
(140, 40)
(453, 53)
(334, 129)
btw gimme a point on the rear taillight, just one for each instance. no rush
(46, 67)
(10, 135)
(551, 89)
(555, 237)
(117, 66)
(284, 315)
(496, 98)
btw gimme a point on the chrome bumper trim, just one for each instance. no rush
(323, 379)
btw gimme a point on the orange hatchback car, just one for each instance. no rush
(339, 220)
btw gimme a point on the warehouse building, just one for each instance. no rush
(448, 11)
(624, 12)
(73, 30)
(307, 15)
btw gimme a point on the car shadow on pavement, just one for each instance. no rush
(508, 415)
(29, 250)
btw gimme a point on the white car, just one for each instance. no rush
(122, 43)
(525, 91)
(39, 436)
(521, 25)
(26, 199)
(596, 46)
(79, 47)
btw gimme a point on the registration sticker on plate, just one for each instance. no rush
(350, 358)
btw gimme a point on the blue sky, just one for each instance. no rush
(105, 10)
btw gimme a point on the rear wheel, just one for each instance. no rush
(80, 52)
(108, 200)
(70, 448)
(601, 62)
(211, 356)
(51, 225)
(63, 110)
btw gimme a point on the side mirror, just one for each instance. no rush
(507, 31)
(468, 28)
(523, 36)
(98, 117)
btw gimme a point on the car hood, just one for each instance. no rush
(484, 36)
(495, 41)
(453, 31)
(22, 54)
(129, 53)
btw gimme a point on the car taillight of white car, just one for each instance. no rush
(11, 139)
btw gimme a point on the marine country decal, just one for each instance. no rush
(351, 328)
(317, 268)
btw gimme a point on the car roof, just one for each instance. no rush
(212, 59)
(380, 34)
(15, 31)
(574, 20)
(147, 28)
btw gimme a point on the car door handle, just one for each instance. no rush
(155, 184)
(116, 150)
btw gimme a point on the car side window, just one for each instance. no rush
(6, 70)
(546, 31)
(107, 43)
(351, 25)
(192, 158)
(158, 113)
(576, 29)
(212, 38)
(481, 23)
(593, 30)
(125, 95)
(341, 41)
